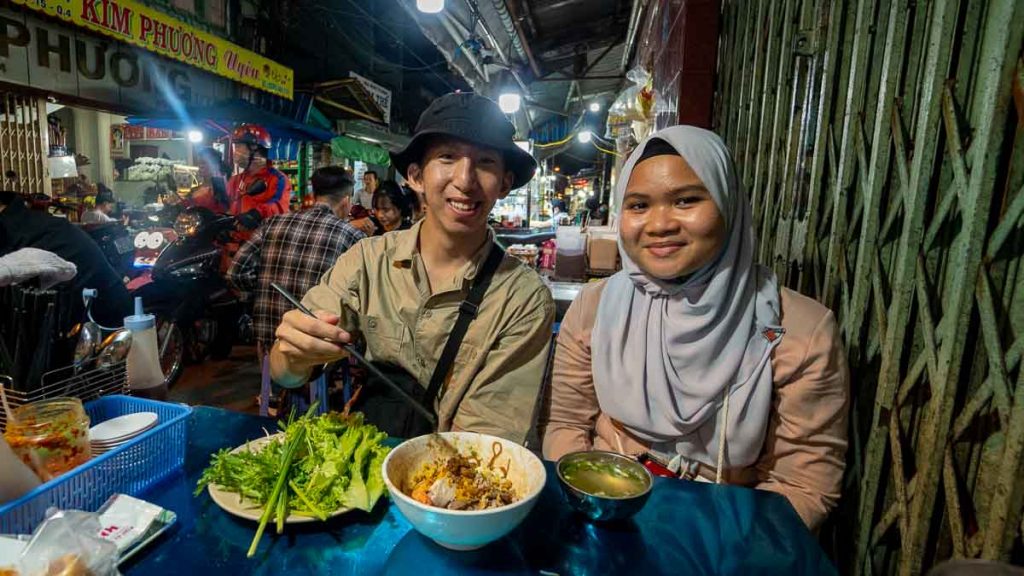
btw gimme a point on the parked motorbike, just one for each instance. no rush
(198, 314)
(115, 241)
(132, 248)
(162, 217)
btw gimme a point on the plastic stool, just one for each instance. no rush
(265, 385)
(317, 389)
(318, 392)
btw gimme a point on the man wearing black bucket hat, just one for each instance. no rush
(464, 327)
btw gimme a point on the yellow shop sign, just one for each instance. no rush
(167, 36)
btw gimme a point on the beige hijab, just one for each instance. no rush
(667, 354)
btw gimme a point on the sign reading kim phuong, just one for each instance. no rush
(165, 35)
(46, 55)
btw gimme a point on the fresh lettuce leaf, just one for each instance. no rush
(375, 479)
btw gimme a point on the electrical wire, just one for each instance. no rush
(572, 134)
(558, 143)
(580, 159)
(611, 152)
(400, 42)
(359, 46)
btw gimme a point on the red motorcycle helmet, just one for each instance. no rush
(252, 134)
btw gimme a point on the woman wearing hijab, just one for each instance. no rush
(692, 354)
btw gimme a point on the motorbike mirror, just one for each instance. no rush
(257, 188)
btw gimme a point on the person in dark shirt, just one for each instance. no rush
(24, 228)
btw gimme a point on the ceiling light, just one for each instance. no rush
(195, 136)
(595, 106)
(509, 102)
(584, 136)
(430, 6)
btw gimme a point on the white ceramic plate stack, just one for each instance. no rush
(112, 433)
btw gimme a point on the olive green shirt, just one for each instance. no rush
(380, 289)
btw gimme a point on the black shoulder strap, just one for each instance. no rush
(467, 312)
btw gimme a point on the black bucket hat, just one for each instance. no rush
(472, 118)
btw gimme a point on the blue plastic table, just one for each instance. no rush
(685, 528)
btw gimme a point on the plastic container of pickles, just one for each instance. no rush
(50, 436)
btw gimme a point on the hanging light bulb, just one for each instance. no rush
(430, 6)
(509, 102)
(584, 136)
(195, 136)
(595, 107)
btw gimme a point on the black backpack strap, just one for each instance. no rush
(467, 312)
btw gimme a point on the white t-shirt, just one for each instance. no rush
(365, 199)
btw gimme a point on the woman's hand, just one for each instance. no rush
(304, 342)
(364, 225)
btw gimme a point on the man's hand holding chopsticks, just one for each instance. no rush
(304, 342)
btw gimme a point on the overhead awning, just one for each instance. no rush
(220, 119)
(356, 150)
(372, 133)
(345, 99)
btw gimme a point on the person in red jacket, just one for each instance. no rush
(259, 191)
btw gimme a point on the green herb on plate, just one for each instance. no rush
(317, 466)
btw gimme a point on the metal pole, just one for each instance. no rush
(831, 12)
(926, 138)
(863, 38)
(877, 173)
(1004, 33)
(767, 103)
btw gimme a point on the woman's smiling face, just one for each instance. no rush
(670, 225)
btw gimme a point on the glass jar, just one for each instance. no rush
(50, 436)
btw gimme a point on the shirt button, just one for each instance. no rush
(373, 323)
(421, 362)
(426, 314)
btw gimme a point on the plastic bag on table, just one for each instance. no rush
(67, 544)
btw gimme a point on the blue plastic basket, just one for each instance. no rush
(127, 469)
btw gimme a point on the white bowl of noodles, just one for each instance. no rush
(496, 485)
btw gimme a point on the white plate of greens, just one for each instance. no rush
(324, 466)
(233, 502)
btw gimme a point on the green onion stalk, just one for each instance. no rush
(277, 500)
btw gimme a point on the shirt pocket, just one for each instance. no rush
(460, 378)
(383, 339)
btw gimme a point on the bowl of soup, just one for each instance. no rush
(604, 486)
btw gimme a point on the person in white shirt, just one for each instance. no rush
(370, 183)
(104, 206)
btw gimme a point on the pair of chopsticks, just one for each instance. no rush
(355, 354)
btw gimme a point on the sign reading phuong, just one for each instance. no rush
(45, 55)
(165, 35)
